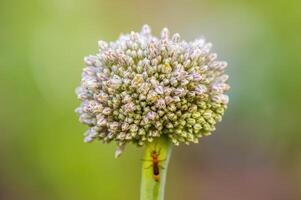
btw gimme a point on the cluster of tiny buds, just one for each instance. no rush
(141, 87)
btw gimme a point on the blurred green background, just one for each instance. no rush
(255, 152)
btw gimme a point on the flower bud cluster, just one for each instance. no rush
(141, 87)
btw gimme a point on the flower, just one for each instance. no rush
(141, 87)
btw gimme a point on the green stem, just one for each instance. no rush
(152, 189)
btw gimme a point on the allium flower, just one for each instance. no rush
(141, 87)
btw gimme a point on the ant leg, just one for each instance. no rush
(159, 151)
(146, 160)
(161, 167)
(148, 167)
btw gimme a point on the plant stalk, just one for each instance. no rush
(151, 187)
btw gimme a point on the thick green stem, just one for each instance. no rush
(152, 187)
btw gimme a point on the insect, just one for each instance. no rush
(156, 164)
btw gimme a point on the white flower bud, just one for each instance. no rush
(201, 89)
(102, 45)
(164, 34)
(176, 38)
(107, 111)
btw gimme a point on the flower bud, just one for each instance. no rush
(140, 87)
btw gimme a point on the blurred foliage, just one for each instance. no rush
(42, 45)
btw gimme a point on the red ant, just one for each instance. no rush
(156, 164)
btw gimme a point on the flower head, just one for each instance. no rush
(141, 87)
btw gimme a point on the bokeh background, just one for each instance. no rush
(255, 152)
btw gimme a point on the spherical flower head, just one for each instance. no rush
(141, 87)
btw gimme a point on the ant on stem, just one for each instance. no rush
(155, 164)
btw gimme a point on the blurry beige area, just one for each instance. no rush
(255, 152)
